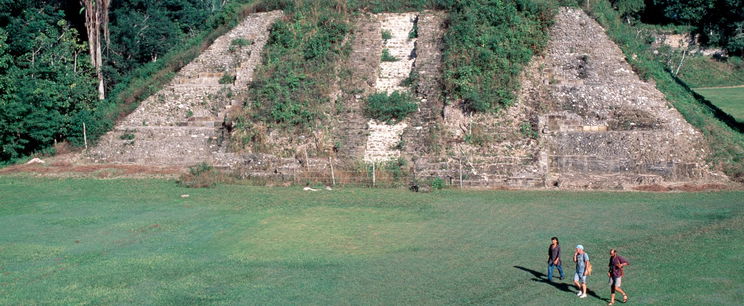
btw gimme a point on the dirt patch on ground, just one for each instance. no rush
(685, 187)
(65, 165)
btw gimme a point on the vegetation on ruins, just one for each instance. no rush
(226, 79)
(486, 47)
(201, 175)
(298, 68)
(393, 107)
(387, 57)
(48, 83)
(386, 35)
(148, 41)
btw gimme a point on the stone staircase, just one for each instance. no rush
(383, 139)
(362, 63)
(181, 123)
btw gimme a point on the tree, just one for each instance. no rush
(629, 9)
(43, 85)
(718, 22)
(96, 23)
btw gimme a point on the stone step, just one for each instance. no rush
(593, 165)
(635, 145)
(383, 138)
(162, 145)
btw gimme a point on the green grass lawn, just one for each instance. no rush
(730, 100)
(75, 241)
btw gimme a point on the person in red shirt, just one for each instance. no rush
(615, 274)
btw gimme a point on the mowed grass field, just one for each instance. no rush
(729, 100)
(127, 241)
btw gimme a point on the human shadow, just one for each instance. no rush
(566, 287)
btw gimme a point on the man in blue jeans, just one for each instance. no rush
(554, 259)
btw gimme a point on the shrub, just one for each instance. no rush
(389, 108)
(437, 183)
(527, 130)
(386, 35)
(241, 42)
(227, 79)
(126, 136)
(201, 175)
(386, 57)
(396, 168)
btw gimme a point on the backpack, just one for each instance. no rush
(588, 266)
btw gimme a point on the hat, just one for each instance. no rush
(580, 247)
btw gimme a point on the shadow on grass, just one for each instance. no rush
(542, 278)
(721, 115)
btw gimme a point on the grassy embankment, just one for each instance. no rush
(139, 242)
(712, 79)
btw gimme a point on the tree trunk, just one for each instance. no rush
(96, 15)
(105, 21)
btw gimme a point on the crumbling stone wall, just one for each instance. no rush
(424, 136)
(583, 119)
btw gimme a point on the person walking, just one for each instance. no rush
(615, 274)
(554, 259)
(581, 258)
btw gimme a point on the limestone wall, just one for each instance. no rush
(363, 66)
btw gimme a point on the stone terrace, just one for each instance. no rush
(180, 124)
(604, 126)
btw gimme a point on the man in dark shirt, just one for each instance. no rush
(554, 258)
(616, 273)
